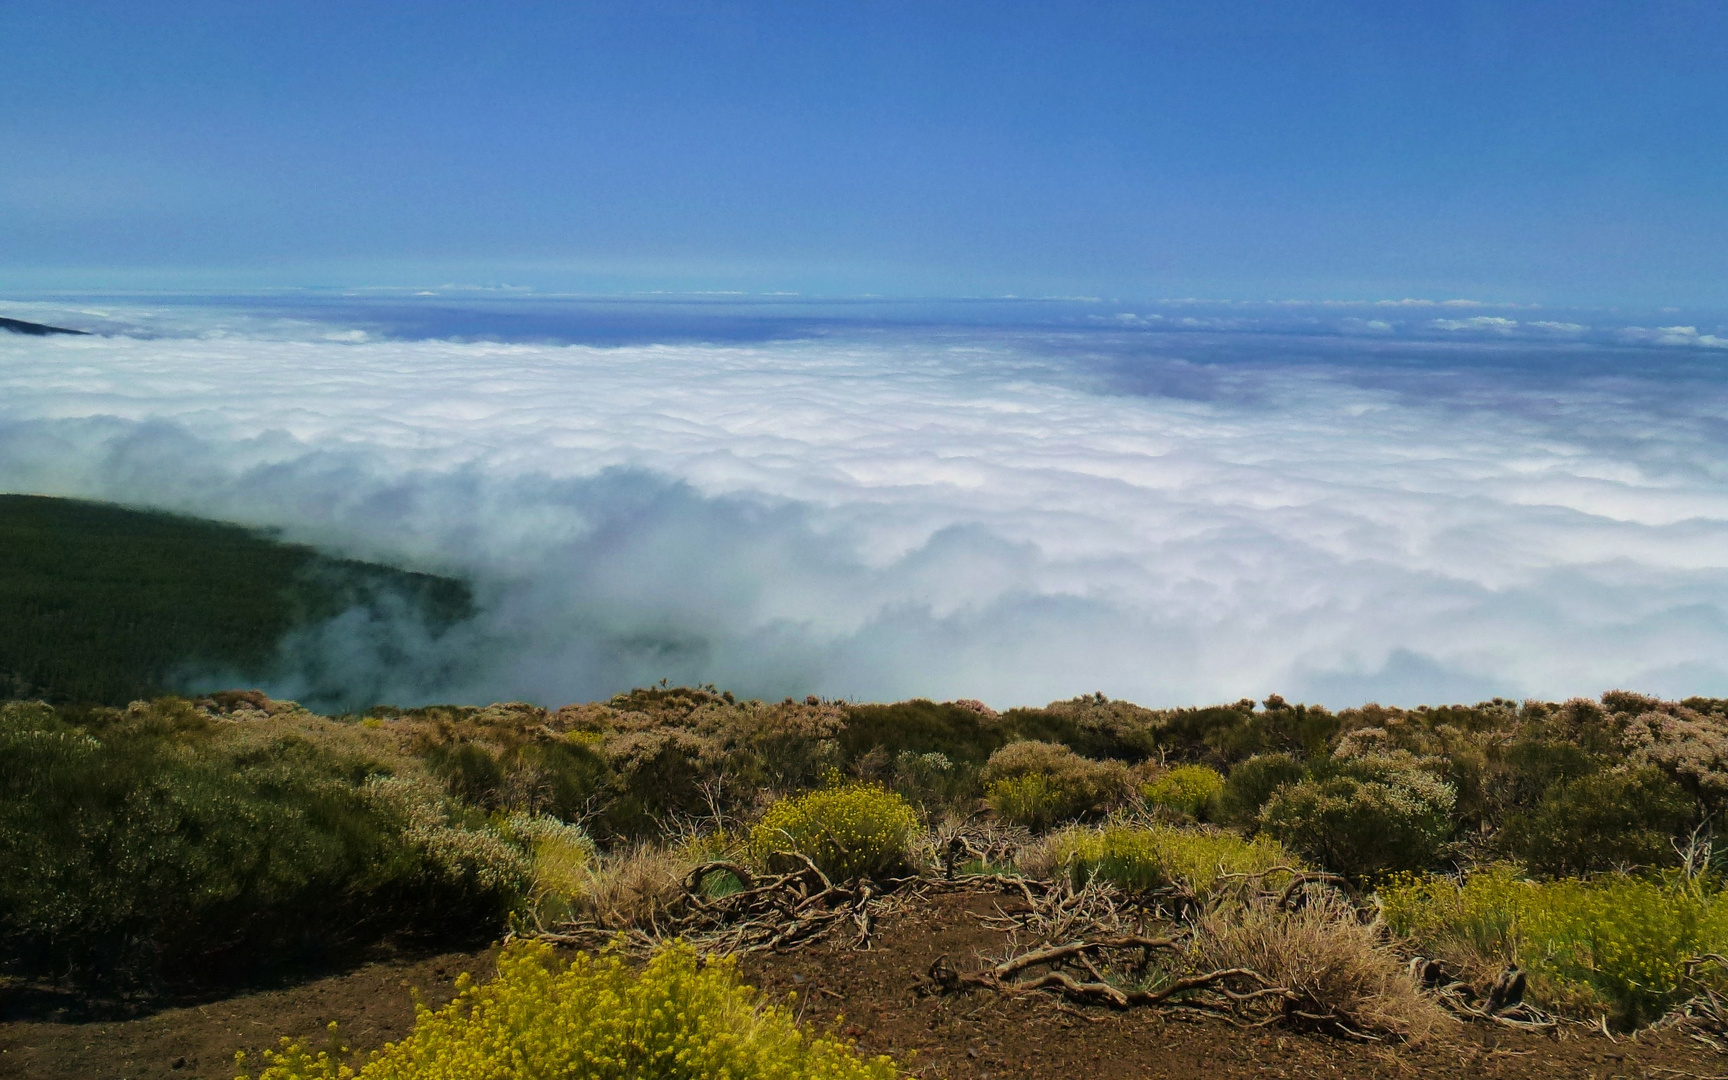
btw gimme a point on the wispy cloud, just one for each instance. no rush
(928, 513)
(1673, 335)
(1492, 323)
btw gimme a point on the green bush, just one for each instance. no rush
(1186, 790)
(538, 777)
(1138, 859)
(1252, 783)
(931, 780)
(470, 771)
(849, 831)
(1614, 944)
(922, 727)
(1371, 816)
(1232, 733)
(135, 850)
(1618, 818)
(683, 1017)
(1038, 784)
(1092, 725)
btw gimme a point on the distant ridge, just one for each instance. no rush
(19, 326)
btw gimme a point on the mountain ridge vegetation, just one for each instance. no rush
(106, 604)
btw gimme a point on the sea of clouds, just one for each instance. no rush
(1384, 506)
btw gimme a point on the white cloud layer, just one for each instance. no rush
(932, 513)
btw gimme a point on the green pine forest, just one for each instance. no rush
(103, 605)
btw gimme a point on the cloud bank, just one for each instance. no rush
(1014, 516)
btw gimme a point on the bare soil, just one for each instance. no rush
(869, 997)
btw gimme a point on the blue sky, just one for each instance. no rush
(1548, 153)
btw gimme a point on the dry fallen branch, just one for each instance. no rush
(1239, 994)
(767, 912)
(1094, 945)
(1504, 1003)
(1704, 1016)
(1228, 991)
(1090, 945)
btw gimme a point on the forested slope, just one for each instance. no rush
(101, 604)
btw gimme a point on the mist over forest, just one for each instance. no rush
(1405, 502)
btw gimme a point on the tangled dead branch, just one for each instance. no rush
(1096, 946)
(1292, 952)
(765, 913)
(1503, 1004)
(1704, 1016)
(1210, 991)
(988, 845)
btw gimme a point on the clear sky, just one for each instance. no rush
(1567, 152)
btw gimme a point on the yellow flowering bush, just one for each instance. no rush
(1030, 799)
(1140, 858)
(1616, 943)
(1186, 789)
(595, 1018)
(849, 830)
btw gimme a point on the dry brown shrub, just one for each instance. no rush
(974, 705)
(240, 724)
(1365, 742)
(1690, 746)
(1041, 857)
(633, 887)
(1121, 720)
(712, 732)
(1324, 953)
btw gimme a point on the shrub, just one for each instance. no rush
(1689, 745)
(561, 863)
(1325, 954)
(684, 1017)
(1037, 784)
(632, 885)
(1374, 815)
(961, 733)
(1137, 859)
(470, 772)
(1186, 789)
(1033, 800)
(1091, 725)
(931, 780)
(1615, 944)
(1617, 818)
(1252, 783)
(554, 778)
(1231, 733)
(139, 848)
(451, 850)
(848, 830)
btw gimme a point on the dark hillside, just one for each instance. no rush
(19, 326)
(103, 605)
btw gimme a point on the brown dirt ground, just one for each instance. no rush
(982, 1036)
